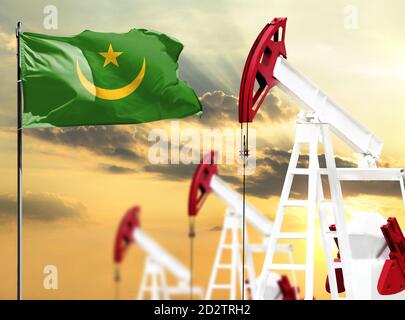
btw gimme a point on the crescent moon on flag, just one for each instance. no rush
(111, 94)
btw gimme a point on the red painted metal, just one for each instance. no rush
(125, 232)
(260, 66)
(392, 277)
(338, 271)
(287, 290)
(200, 185)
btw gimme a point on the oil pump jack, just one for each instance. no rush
(205, 181)
(158, 262)
(266, 66)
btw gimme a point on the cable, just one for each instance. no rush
(117, 280)
(245, 154)
(191, 236)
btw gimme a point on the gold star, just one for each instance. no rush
(110, 56)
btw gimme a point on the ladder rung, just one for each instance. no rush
(221, 286)
(326, 202)
(227, 246)
(290, 235)
(301, 171)
(224, 266)
(290, 266)
(296, 203)
(151, 288)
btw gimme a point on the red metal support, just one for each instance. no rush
(259, 67)
(125, 232)
(338, 271)
(287, 290)
(392, 277)
(200, 185)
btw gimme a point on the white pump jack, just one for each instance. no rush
(207, 180)
(158, 261)
(267, 66)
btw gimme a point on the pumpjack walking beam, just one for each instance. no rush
(158, 261)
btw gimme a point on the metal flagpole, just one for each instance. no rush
(19, 167)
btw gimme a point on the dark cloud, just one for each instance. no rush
(277, 110)
(44, 207)
(175, 172)
(110, 141)
(220, 108)
(271, 169)
(268, 180)
(216, 228)
(378, 188)
(114, 169)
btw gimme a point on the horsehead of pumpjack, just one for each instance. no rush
(259, 66)
(125, 233)
(200, 185)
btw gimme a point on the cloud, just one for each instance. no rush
(8, 42)
(271, 169)
(216, 228)
(44, 207)
(277, 109)
(114, 169)
(221, 108)
(110, 141)
(175, 172)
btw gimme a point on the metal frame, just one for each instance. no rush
(311, 133)
(233, 227)
(158, 260)
(233, 224)
(267, 64)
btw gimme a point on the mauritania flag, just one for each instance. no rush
(102, 78)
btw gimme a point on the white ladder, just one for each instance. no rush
(233, 227)
(312, 133)
(153, 283)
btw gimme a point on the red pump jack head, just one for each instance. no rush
(200, 185)
(125, 232)
(259, 66)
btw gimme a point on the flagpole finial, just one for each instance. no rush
(18, 29)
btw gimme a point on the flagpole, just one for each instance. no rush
(19, 167)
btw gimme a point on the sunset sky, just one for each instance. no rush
(78, 182)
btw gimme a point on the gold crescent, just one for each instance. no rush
(111, 94)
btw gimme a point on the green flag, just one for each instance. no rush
(102, 78)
